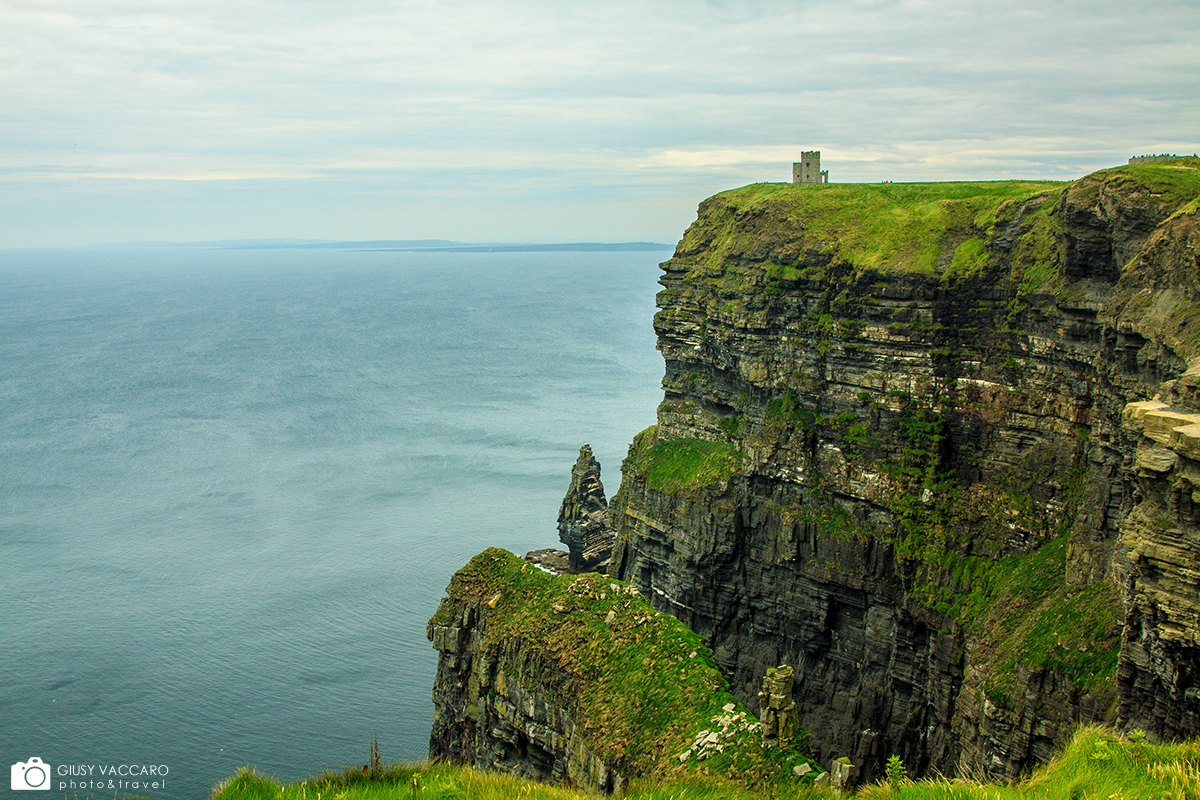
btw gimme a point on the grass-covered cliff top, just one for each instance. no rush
(1096, 764)
(887, 227)
(929, 229)
(677, 465)
(639, 682)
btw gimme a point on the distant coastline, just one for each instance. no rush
(411, 245)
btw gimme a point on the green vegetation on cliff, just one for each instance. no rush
(1157, 182)
(882, 227)
(1096, 764)
(945, 230)
(1037, 622)
(675, 465)
(637, 681)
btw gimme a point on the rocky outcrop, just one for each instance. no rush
(891, 452)
(777, 707)
(487, 716)
(583, 518)
(550, 559)
(575, 679)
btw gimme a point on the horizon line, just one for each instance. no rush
(374, 245)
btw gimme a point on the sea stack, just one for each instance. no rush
(583, 518)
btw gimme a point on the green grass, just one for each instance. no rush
(454, 782)
(1039, 622)
(970, 257)
(1038, 254)
(1096, 765)
(886, 228)
(761, 239)
(1167, 183)
(676, 465)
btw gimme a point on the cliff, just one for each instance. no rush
(575, 679)
(893, 454)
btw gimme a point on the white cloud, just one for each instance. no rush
(504, 98)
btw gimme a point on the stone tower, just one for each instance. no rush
(808, 168)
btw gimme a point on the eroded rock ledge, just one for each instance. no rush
(1160, 656)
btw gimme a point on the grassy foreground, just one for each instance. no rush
(1096, 765)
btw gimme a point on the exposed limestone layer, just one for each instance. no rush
(583, 518)
(927, 480)
(1160, 668)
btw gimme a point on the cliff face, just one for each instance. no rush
(508, 693)
(487, 717)
(891, 453)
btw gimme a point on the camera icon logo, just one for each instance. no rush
(31, 774)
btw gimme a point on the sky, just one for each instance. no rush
(524, 121)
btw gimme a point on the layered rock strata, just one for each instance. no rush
(583, 518)
(891, 452)
(486, 716)
(1159, 673)
(504, 702)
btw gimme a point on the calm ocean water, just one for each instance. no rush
(234, 484)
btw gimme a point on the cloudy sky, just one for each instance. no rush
(126, 120)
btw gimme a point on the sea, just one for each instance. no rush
(235, 482)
